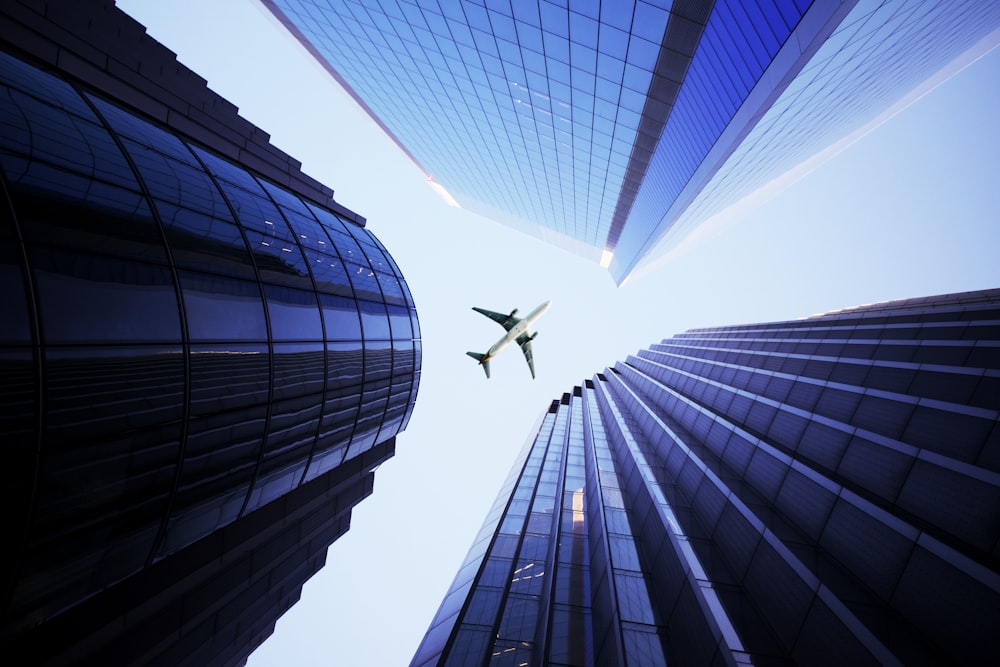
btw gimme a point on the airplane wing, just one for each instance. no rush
(506, 321)
(524, 340)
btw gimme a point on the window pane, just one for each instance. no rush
(88, 299)
(220, 308)
(294, 314)
(374, 320)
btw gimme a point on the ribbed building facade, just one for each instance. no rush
(823, 491)
(612, 128)
(203, 356)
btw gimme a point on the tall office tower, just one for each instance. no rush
(823, 491)
(610, 128)
(203, 356)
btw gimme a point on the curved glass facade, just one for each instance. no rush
(182, 342)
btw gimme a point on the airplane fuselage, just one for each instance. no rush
(522, 327)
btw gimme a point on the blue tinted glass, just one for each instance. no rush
(219, 308)
(86, 298)
(299, 369)
(329, 273)
(345, 364)
(62, 208)
(340, 317)
(205, 243)
(294, 314)
(228, 376)
(22, 76)
(139, 131)
(178, 183)
(228, 172)
(286, 200)
(399, 319)
(374, 320)
(278, 256)
(62, 139)
(364, 280)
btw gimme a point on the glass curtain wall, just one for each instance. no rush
(181, 343)
(817, 491)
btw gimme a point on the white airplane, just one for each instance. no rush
(517, 330)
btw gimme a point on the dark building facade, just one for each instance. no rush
(823, 491)
(613, 128)
(204, 357)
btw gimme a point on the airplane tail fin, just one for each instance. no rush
(483, 361)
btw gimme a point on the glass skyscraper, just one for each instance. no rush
(203, 356)
(816, 491)
(613, 128)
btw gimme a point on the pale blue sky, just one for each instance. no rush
(912, 209)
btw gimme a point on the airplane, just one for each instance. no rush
(517, 330)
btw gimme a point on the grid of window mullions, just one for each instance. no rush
(953, 357)
(889, 327)
(731, 56)
(451, 627)
(178, 162)
(287, 205)
(861, 449)
(163, 540)
(472, 630)
(848, 392)
(522, 616)
(869, 61)
(630, 603)
(569, 638)
(674, 553)
(417, 40)
(306, 425)
(770, 473)
(845, 373)
(788, 593)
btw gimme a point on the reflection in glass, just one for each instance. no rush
(204, 243)
(290, 439)
(374, 320)
(340, 317)
(188, 367)
(99, 299)
(346, 364)
(220, 456)
(228, 376)
(62, 208)
(294, 314)
(298, 369)
(222, 308)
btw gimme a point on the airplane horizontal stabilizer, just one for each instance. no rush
(483, 361)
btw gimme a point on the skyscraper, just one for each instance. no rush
(816, 491)
(203, 356)
(609, 128)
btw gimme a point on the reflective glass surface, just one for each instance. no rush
(199, 341)
(859, 72)
(562, 92)
(600, 127)
(712, 502)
